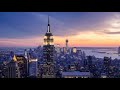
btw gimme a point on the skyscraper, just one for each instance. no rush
(48, 55)
(66, 44)
(13, 69)
(66, 49)
(22, 64)
(90, 62)
(33, 72)
(107, 64)
(27, 61)
(74, 50)
(118, 50)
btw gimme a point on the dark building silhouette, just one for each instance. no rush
(66, 44)
(89, 62)
(118, 50)
(92, 67)
(106, 64)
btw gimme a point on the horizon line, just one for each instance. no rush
(70, 47)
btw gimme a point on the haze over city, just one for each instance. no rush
(82, 29)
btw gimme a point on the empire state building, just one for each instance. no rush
(48, 54)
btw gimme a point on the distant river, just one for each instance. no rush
(101, 52)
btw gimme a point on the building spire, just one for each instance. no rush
(48, 21)
(48, 30)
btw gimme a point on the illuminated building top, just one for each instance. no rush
(74, 50)
(48, 39)
(14, 58)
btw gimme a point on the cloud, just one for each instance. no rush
(25, 42)
(21, 25)
(113, 25)
(107, 26)
(29, 29)
(112, 32)
(58, 27)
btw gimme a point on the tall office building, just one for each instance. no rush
(66, 44)
(74, 50)
(92, 67)
(48, 55)
(107, 64)
(33, 71)
(90, 63)
(65, 49)
(57, 48)
(118, 50)
(25, 54)
(26, 61)
(13, 69)
(4, 69)
(23, 66)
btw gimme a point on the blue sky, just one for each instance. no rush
(26, 25)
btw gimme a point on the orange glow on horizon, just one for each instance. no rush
(83, 39)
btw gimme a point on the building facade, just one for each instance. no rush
(22, 64)
(48, 55)
(12, 70)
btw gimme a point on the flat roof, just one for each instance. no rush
(76, 73)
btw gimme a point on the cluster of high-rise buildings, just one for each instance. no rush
(56, 62)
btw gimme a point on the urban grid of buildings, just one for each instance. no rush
(56, 62)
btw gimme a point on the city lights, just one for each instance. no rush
(83, 46)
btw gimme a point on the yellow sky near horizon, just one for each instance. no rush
(84, 39)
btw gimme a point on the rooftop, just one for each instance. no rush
(76, 73)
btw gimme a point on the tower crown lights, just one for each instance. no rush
(48, 38)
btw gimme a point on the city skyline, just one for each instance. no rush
(51, 61)
(82, 29)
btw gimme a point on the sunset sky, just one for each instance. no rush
(83, 29)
